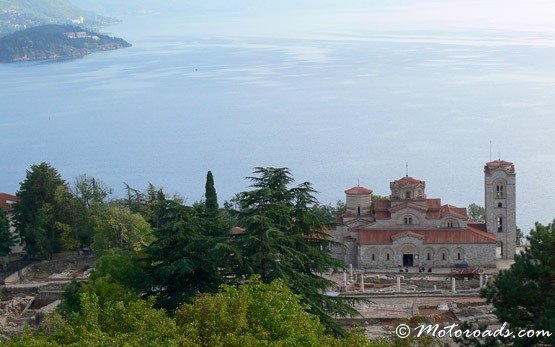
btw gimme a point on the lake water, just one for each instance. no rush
(334, 103)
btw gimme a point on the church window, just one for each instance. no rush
(499, 224)
(358, 210)
(373, 257)
(428, 256)
(500, 191)
(387, 256)
(449, 224)
(407, 194)
(499, 204)
(408, 220)
(458, 256)
(442, 256)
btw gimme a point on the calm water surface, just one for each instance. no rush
(333, 107)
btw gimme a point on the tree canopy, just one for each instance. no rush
(285, 239)
(524, 295)
(42, 218)
(6, 237)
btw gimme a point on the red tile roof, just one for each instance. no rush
(450, 210)
(472, 234)
(433, 203)
(237, 230)
(408, 204)
(6, 201)
(383, 204)
(358, 191)
(407, 181)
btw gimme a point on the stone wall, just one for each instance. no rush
(473, 254)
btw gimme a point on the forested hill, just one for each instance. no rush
(21, 14)
(54, 42)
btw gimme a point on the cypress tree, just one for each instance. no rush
(210, 195)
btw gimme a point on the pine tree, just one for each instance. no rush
(182, 260)
(210, 195)
(41, 214)
(285, 239)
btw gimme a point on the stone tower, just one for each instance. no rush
(358, 200)
(500, 204)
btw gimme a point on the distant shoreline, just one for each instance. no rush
(54, 42)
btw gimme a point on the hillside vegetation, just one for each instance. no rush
(22, 14)
(53, 42)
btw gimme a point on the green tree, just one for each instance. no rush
(183, 259)
(90, 197)
(519, 236)
(253, 314)
(117, 227)
(41, 214)
(476, 213)
(524, 295)
(6, 237)
(286, 240)
(110, 323)
(211, 198)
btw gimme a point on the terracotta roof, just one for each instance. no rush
(408, 204)
(469, 235)
(433, 203)
(383, 204)
(358, 191)
(237, 230)
(407, 181)
(450, 210)
(499, 163)
(6, 201)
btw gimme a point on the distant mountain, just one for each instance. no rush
(54, 42)
(22, 14)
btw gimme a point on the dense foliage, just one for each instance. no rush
(50, 41)
(42, 216)
(285, 239)
(253, 314)
(524, 295)
(6, 238)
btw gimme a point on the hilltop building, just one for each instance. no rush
(410, 229)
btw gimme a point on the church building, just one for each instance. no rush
(410, 229)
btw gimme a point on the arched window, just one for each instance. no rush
(407, 194)
(373, 257)
(450, 224)
(500, 191)
(408, 220)
(428, 256)
(358, 210)
(387, 256)
(499, 224)
(458, 256)
(442, 256)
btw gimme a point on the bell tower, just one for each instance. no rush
(500, 204)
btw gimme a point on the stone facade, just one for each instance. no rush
(500, 203)
(410, 229)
